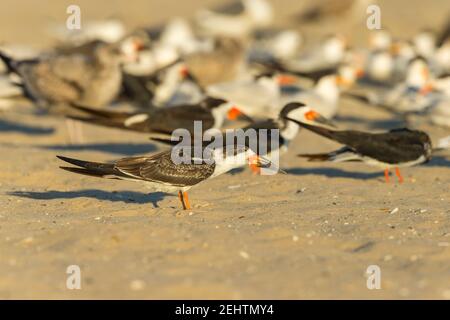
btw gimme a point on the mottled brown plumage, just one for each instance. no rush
(60, 79)
(158, 168)
(220, 65)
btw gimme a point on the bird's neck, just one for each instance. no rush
(289, 131)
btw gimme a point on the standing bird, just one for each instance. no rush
(92, 78)
(161, 172)
(57, 80)
(394, 149)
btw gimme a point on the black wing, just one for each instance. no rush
(168, 119)
(396, 146)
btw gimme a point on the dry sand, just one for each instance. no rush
(310, 234)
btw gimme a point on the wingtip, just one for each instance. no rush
(75, 162)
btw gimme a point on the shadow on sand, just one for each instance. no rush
(121, 196)
(8, 126)
(439, 161)
(436, 161)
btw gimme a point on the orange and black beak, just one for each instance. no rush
(360, 73)
(236, 114)
(132, 49)
(138, 45)
(317, 118)
(184, 72)
(426, 89)
(257, 163)
(286, 80)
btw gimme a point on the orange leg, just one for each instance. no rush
(183, 196)
(399, 175)
(255, 169)
(253, 164)
(180, 196)
(187, 205)
(386, 175)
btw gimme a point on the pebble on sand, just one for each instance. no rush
(244, 254)
(393, 211)
(137, 285)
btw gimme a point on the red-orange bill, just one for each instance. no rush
(234, 113)
(318, 118)
(284, 80)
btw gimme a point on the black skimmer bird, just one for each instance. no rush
(394, 149)
(164, 172)
(90, 79)
(90, 74)
(168, 86)
(211, 112)
(286, 131)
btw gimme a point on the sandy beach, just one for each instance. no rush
(310, 234)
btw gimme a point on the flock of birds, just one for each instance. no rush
(231, 65)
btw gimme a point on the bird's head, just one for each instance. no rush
(304, 114)
(224, 108)
(130, 48)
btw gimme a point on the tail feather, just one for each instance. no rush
(341, 155)
(89, 168)
(9, 62)
(166, 141)
(116, 115)
(86, 172)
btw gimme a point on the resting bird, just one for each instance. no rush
(211, 111)
(92, 78)
(394, 149)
